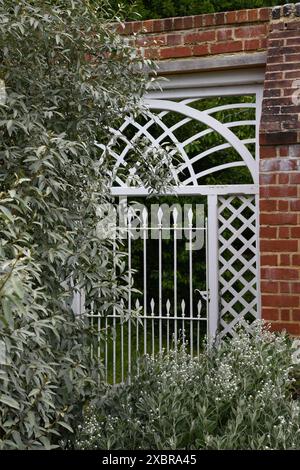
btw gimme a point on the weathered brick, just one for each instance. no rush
(293, 25)
(295, 178)
(280, 300)
(157, 26)
(296, 315)
(198, 21)
(231, 17)
(275, 59)
(268, 260)
(295, 205)
(296, 260)
(251, 31)
(284, 232)
(251, 44)
(174, 39)
(147, 26)
(291, 328)
(253, 15)
(283, 178)
(268, 152)
(188, 22)
(200, 50)
(278, 164)
(268, 92)
(270, 287)
(278, 246)
(267, 232)
(209, 20)
(278, 137)
(295, 232)
(285, 315)
(241, 16)
(270, 313)
(198, 38)
(176, 51)
(272, 76)
(224, 34)
(220, 18)
(268, 205)
(284, 260)
(178, 23)
(264, 14)
(168, 24)
(278, 191)
(295, 287)
(225, 47)
(278, 219)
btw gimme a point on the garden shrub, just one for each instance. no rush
(68, 77)
(237, 396)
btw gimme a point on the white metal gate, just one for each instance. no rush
(231, 229)
(155, 324)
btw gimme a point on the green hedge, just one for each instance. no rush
(167, 8)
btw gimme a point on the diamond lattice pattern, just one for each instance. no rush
(238, 270)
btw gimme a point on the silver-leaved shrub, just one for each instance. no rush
(237, 396)
(66, 77)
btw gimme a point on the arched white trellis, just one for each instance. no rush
(205, 118)
(189, 114)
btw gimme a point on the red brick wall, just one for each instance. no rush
(276, 30)
(191, 36)
(280, 175)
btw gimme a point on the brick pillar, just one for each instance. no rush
(280, 173)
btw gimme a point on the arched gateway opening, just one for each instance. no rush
(193, 257)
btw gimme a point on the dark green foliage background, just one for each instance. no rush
(166, 8)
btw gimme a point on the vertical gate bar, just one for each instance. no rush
(207, 276)
(129, 296)
(145, 233)
(168, 306)
(114, 333)
(137, 346)
(106, 350)
(213, 263)
(257, 224)
(183, 323)
(175, 214)
(137, 338)
(122, 350)
(153, 331)
(160, 278)
(198, 327)
(160, 292)
(114, 317)
(99, 340)
(191, 279)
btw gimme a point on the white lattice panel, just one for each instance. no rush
(238, 265)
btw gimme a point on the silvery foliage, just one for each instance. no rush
(68, 77)
(154, 167)
(236, 396)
